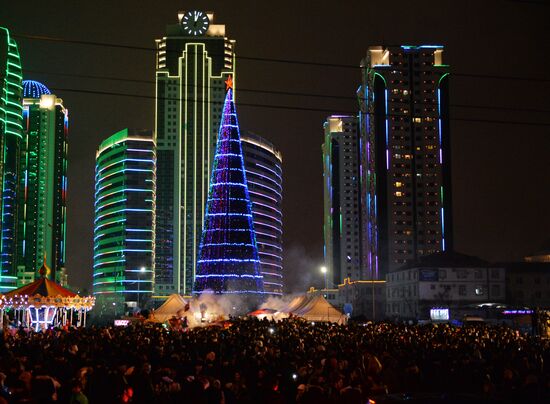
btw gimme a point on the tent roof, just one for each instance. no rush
(43, 287)
(170, 308)
(314, 308)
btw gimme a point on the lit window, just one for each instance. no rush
(398, 184)
(399, 193)
(417, 120)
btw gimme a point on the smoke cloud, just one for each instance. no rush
(301, 270)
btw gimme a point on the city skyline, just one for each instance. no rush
(498, 209)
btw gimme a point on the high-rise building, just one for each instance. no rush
(11, 133)
(264, 175)
(192, 62)
(228, 255)
(405, 141)
(42, 218)
(124, 225)
(342, 199)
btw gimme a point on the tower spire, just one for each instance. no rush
(228, 256)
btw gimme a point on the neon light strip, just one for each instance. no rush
(229, 276)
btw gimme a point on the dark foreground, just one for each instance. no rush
(261, 362)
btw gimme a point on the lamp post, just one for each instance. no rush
(324, 271)
(115, 297)
(141, 270)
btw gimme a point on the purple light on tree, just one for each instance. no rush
(228, 260)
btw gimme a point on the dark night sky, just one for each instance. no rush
(500, 171)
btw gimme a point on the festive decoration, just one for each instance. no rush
(34, 89)
(228, 260)
(44, 304)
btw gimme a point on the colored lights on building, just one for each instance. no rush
(42, 218)
(123, 263)
(263, 165)
(405, 149)
(342, 199)
(190, 87)
(228, 260)
(11, 133)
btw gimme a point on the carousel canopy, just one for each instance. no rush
(44, 292)
(43, 287)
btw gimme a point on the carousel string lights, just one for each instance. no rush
(44, 304)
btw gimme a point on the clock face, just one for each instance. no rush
(195, 23)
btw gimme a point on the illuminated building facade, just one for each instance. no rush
(192, 62)
(42, 218)
(405, 140)
(11, 133)
(342, 199)
(124, 225)
(228, 261)
(264, 174)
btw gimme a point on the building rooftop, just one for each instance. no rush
(34, 89)
(526, 267)
(449, 259)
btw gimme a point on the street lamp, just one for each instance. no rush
(141, 270)
(324, 271)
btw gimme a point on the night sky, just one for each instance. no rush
(501, 186)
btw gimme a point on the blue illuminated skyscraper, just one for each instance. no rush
(124, 225)
(264, 174)
(228, 261)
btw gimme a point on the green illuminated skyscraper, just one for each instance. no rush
(193, 60)
(124, 225)
(10, 140)
(43, 184)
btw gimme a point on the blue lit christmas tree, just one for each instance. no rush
(228, 260)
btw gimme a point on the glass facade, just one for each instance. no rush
(42, 218)
(264, 175)
(124, 225)
(11, 132)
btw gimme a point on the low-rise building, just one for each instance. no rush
(362, 298)
(440, 282)
(528, 284)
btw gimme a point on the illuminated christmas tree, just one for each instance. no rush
(228, 260)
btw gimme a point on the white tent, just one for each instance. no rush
(311, 308)
(173, 306)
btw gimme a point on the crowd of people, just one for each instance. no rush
(258, 361)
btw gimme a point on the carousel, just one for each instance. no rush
(44, 304)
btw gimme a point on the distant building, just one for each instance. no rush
(445, 280)
(264, 175)
(405, 140)
(124, 225)
(528, 284)
(365, 299)
(42, 218)
(11, 134)
(342, 199)
(193, 60)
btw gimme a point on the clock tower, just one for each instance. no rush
(193, 61)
